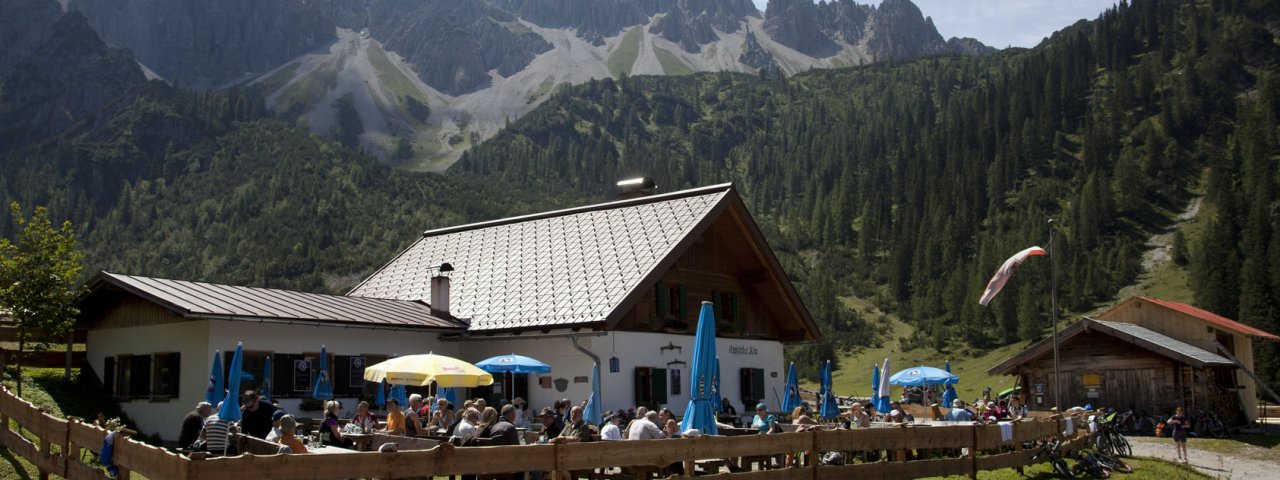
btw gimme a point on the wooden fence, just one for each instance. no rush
(59, 443)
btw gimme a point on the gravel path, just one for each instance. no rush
(1213, 464)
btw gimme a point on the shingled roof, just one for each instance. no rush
(199, 300)
(567, 268)
(1136, 335)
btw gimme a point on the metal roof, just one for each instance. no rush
(232, 302)
(1213, 318)
(563, 268)
(1127, 332)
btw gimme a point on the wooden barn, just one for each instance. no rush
(1147, 353)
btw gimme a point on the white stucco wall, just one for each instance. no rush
(189, 338)
(633, 350)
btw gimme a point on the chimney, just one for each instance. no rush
(440, 296)
(636, 187)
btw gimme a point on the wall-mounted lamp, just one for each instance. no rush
(671, 346)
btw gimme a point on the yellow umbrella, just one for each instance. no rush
(421, 370)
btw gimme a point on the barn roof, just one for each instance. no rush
(1213, 318)
(579, 267)
(233, 302)
(1127, 332)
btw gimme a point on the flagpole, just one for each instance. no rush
(1053, 296)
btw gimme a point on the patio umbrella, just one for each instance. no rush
(949, 395)
(448, 394)
(922, 375)
(323, 389)
(380, 398)
(791, 399)
(231, 405)
(421, 370)
(698, 414)
(716, 403)
(266, 380)
(875, 382)
(882, 401)
(829, 408)
(214, 393)
(513, 364)
(592, 414)
(399, 393)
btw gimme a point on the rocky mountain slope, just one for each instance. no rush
(418, 81)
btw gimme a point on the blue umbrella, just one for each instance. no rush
(716, 403)
(513, 364)
(883, 405)
(829, 408)
(213, 394)
(449, 394)
(875, 382)
(323, 389)
(592, 414)
(231, 405)
(399, 393)
(922, 375)
(791, 399)
(381, 398)
(266, 380)
(699, 414)
(949, 395)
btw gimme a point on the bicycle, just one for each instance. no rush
(1087, 463)
(1049, 450)
(1112, 463)
(1109, 441)
(1207, 423)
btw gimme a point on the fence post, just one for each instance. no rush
(973, 452)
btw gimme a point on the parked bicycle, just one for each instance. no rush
(1049, 452)
(1109, 441)
(1206, 423)
(1087, 464)
(1135, 422)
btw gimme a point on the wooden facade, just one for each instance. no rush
(724, 267)
(1100, 370)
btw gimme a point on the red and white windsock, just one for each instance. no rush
(1002, 275)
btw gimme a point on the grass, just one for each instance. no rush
(624, 57)
(1143, 469)
(671, 64)
(279, 79)
(46, 388)
(390, 76)
(1256, 447)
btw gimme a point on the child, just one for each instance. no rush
(1178, 430)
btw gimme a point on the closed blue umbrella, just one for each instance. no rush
(882, 400)
(214, 393)
(791, 399)
(592, 414)
(922, 375)
(399, 393)
(716, 403)
(949, 395)
(699, 414)
(231, 405)
(513, 364)
(323, 389)
(448, 394)
(266, 380)
(380, 398)
(829, 408)
(875, 382)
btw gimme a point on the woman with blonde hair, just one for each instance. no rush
(487, 420)
(466, 430)
(330, 431)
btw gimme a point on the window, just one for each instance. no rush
(726, 309)
(252, 363)
(109, 376)
(651, 386)
(670, 300)
(675, 381)
(752, 385)
(348, 375)
(167, 369)
(140, 376)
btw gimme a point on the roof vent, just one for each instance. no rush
(636, 187)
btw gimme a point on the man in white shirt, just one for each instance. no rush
(645, 428)
(611, 422)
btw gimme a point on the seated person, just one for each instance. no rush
(576, 430)
(958, 413)
(763, 422)
(645, 428)
(363, 419)
(330, 430)
(395, 418)
(800, 416)
(288, 435)
(611, 430)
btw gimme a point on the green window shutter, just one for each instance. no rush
(175, 373)
(661, 294)
(744, 388)
(641, 383)
(109, 375)
(757, 384)
(717, 304)
(737, 314)
(683, 305)
(659, 379)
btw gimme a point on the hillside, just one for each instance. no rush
(906, 184)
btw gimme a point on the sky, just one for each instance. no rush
(1002, 23)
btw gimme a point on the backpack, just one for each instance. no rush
(1160, 429)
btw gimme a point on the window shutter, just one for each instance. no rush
(661, 302)
(757, 384)
(341, 372)
(175, 373)
(659, 379)
(109, 375)
(641, 383)
(717, 305)
(683, 310)
(140, 377)
(737, 314)
(744, 387)
(281, 375)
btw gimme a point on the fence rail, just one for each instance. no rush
(58, 444)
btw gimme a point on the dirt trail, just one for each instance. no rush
(1213, 464)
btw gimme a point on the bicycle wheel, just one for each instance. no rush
(1102, 442)
(1122, 447)
(1060, 466)
(1216, 428)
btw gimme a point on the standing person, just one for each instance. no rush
(193, 424)
(1178, 430)
(610, 431)
(257, 415)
